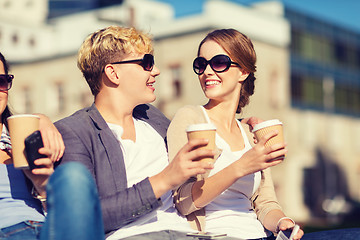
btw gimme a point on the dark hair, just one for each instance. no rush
(7, 112)
(241, 50)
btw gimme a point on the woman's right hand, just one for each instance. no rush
(260, 157)
(184, 166)
(39, 176)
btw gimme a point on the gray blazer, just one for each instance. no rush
(89, 140)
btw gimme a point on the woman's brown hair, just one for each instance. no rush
(241, 50)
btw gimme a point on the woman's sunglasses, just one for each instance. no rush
(6, 81)
(147, 62)
(219, 63)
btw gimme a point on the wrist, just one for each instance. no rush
(281, 219)
(159, 185)
(237, 170)
(37, 195)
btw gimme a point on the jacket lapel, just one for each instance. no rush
(112, 148)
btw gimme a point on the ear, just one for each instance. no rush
(111, 74)
(243, 76)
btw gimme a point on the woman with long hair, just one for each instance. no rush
(237, 196)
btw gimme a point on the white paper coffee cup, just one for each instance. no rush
(20, 127)
(203, 131)
(265, 127)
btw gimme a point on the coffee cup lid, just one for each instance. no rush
(23, 115)
(267, 123)
(200, 127)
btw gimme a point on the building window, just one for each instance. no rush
(176, 80)
(312, 92)
(32, 42)
(320, 52)
(347, 98)
(25, 103)
(340, 53)
(60, 93)
(15, 38)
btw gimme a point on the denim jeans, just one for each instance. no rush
(73, 209)
(29, 230)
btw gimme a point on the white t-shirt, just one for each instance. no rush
(143, 158)
(231, 212)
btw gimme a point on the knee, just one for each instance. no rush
(72, 175)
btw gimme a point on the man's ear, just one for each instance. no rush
(111, 74)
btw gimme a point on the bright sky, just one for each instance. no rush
(344, 13)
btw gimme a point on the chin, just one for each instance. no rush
(151, 99)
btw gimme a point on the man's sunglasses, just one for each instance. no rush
(147, 62)
(6, 81)
(219, 63)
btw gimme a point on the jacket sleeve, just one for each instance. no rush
(177, 138)
(120, 204)
(264, 200)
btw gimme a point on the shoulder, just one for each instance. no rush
(75, 117)
(248, 132)
(186, 116)
(190, 111)
(75, 122)
(148, 111)
(246, 127)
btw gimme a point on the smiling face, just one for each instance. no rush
(224, 86)
(135, 83)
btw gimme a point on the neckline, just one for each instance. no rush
(242, 130)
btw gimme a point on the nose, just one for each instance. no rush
(155, 71)
(208, 69)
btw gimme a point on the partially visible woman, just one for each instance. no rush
(237, 197)
(23, 192)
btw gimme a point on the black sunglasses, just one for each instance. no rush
(6, 81)
(147, 62)
(219, 63)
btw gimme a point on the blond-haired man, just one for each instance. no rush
(121, 138)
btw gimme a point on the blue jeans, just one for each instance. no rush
(28, 230)
(74, 210)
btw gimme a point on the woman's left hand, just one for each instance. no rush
(51, 137)
(252, 121)
(40, 176)
(288, 224)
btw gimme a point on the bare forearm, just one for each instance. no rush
(204, 191)
(159, 184)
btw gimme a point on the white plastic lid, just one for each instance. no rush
(23, 115)
(200, 127)
(267, 123)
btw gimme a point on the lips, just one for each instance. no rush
(150, 85)
(211, 83)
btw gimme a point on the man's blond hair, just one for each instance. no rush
(109, 45)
